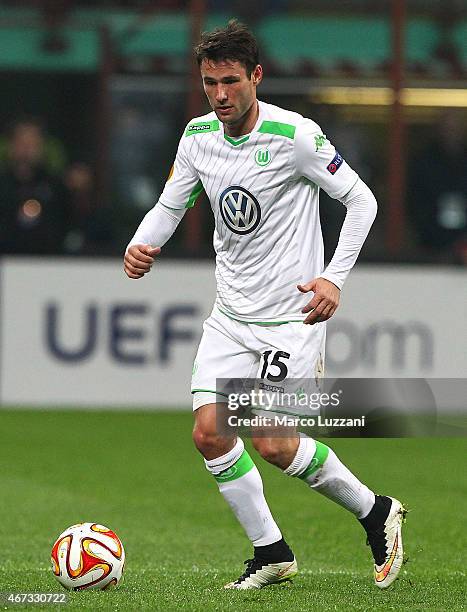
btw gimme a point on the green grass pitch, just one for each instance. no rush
(139, 474)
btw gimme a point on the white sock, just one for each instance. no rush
(240, 483)
(321, 469)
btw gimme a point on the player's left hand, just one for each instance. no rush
(325, 300)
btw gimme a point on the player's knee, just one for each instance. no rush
(208, 442)
(270, 449)
(203, 439)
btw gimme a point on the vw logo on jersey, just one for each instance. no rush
(239, 209)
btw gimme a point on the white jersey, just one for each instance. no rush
(263, 189)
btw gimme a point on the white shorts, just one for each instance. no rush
(273, 353)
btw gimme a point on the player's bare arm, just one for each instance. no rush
(324, 302)
(138, 259)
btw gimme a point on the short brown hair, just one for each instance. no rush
(235, 42)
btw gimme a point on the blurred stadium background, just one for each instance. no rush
(94, 97)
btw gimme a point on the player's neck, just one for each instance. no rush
(246, 124)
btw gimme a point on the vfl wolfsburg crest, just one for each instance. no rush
(239, 209)
(262, 157)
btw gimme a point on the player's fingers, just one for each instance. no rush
(317, 314)
(132, 275)
(305, 288)
(134, 260)
(139, 255)
(136, 263)
(312, 318)
(138, 269)
(132, 270)
(325, 314)
(313, 304)
(151, 251)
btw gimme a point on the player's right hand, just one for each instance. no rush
(138, 259)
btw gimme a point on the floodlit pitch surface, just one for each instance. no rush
(140, 475)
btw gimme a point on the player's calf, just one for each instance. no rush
(279, 449)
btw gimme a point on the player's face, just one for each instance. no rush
(231, 93)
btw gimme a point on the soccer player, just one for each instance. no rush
(262, 168)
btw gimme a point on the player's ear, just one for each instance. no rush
(257, 75)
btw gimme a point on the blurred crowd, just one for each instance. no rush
(435, 203)
(49, 206)
(437, 191)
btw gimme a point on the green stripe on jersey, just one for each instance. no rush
(279, 129)
(320, 456)
(197, 189)
(239, 469)
(202, 128)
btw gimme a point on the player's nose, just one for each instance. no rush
(221, 93)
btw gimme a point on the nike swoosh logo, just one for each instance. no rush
(283, 571)
(381, 575)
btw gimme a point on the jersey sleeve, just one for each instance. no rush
(183, 185)
(317, 160)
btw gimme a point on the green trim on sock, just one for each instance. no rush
(243, 465)
(320, 456)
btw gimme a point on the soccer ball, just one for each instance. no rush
(88, 556)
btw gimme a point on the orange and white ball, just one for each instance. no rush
(88, 556)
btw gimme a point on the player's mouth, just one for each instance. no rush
(224, 110)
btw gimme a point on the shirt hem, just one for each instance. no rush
(268, 322)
